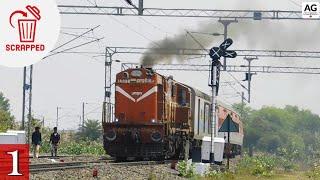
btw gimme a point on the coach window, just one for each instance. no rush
(210, 119)
(198, 116)
(206, 116)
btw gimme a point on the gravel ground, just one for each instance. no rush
(113, 172)
(108, 171)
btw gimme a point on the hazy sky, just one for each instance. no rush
(67, 80)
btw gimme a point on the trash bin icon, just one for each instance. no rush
(27, 26)
(27, 29)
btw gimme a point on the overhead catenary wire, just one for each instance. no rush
(202, 47)
(243, 86)
(76, 35)
(127, 26)
(74, 28)
(93, 110)
(72, 48)
(75, 38)
(148, 22)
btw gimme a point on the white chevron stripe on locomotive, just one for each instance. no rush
(145, 95)
(123, 92)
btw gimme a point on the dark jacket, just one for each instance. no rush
(36, 138)
(55, 138)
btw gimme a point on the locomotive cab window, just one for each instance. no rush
(182, 97)
(173, 90)
(136, 73)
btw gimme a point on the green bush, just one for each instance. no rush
(185, 169)
(286, 164)
(218, 175)
(314, 173)
(75, 148)
(45, 147)
(82, 147)
(152, 176)
(258, 166)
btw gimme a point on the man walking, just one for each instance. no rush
(36, 142)
(54, 140)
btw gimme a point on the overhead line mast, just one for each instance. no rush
(201, 52)
(27, 100)
(232, 68)
(184, 13)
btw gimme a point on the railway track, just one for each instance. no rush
(44, 167)
(57, 157)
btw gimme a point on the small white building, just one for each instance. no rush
(218, 148)
(13, 137)
(21, 136)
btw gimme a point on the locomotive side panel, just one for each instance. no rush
(183, 105)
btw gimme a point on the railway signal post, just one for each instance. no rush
(216, 53)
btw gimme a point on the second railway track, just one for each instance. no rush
(45, 167)
(63, 166)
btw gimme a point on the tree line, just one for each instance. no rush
(290, 132)
(6, 118)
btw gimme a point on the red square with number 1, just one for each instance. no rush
(14, 162)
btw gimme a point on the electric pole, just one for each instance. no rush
(80, 123)
(27, 100)
(107, 106)
(242, 103)
(57, 120)
(107, 86)
(83, 115)
(140, 9)
(249, 75)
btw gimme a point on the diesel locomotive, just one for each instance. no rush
(158, 117)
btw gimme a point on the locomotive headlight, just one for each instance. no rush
(153, 121)
(116, 120)
(111, 135)
(156, 136)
